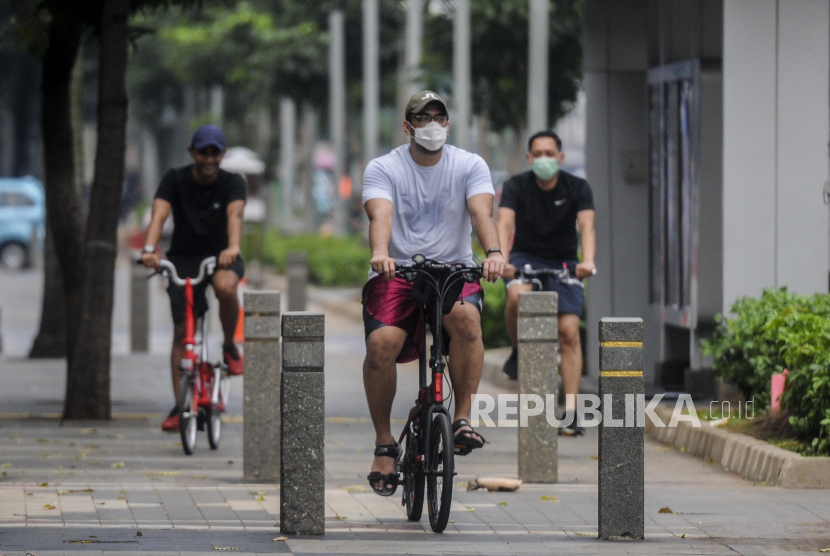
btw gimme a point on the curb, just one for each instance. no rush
(749, 457)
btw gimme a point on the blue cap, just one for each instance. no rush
(206, 136)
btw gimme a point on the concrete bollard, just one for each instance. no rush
(302, 472)
(621, 440)
(261, 412)
(296, 270)
(139, 310)
(538, 334)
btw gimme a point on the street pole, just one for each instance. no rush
(371, 88)
(461, 73)
(413, 37)
(537, 86)
(337, 110)
(288, 126)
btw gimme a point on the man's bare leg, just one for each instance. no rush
(177, 352)
(224, 286)
(511, 309)
(463, 325)
(571, 367)
(380, 380)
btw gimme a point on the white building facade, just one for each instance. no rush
(707, 149)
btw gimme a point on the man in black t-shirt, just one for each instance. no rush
(544, 207)
(207, 204)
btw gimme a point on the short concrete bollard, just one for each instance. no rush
(139, 310)
(538, 335)
(261, 411)
(302, 472)
(621, 444)
(296, 270)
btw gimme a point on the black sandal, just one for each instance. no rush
(464, 441)
(389, 479)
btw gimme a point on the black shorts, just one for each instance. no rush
(189, 266)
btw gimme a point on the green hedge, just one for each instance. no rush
(493, 329)
(780, 331)
(332, 261)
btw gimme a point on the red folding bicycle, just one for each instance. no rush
(204, 387)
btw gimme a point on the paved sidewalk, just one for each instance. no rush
(93, 487)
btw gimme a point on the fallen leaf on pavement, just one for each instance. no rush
(549, 498)
(665, 510)
(43, 484)
(257, 492)
(357, 488)
(684, 535)
(260, 499)
(200, 476)
(470, 510)
(162, 473)
(340, 517)
(280, 539)
(583, 534)
(139, 534)
(595, 457)
(49, 507)
(118, 465)
(502, 503)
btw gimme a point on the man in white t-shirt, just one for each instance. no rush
(423, 198)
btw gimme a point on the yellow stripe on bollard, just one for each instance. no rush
(621, 344)
(621, 373)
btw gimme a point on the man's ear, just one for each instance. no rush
(191, 151)
(529, 159)
(407, 127)
(561, 157)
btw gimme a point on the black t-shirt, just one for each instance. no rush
(200, 212)
(546, 220)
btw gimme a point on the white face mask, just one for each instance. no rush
(431, 137)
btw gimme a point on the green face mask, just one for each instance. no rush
(545, 168)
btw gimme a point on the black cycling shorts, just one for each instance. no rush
(189, 266)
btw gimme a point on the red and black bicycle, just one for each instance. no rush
(428, 455)
(204, 386)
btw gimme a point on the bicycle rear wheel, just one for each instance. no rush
(214, 415)
(187, 416)
(413, 478)
(440, 473)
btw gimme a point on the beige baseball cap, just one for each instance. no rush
(418, 101)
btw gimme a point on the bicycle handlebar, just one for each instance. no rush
(206, 268)
(562, 275)
(420, 263)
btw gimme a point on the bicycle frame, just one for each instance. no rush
(204, 372)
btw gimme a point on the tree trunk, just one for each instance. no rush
(63, 206)
(50, 341)
(88, 387)
(25, 95)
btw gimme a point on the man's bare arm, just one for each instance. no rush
(480, 208)
(160, 212)
(506, 225)
(229, 255)
(380, 233)
(585, 222)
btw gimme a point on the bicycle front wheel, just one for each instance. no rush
(187, 415)
(214, 415)
(440, 473)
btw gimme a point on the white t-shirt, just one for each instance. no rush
(430, 215)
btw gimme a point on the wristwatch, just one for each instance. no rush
(148, 249)
(492, 250)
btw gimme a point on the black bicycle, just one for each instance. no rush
(428, 455)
